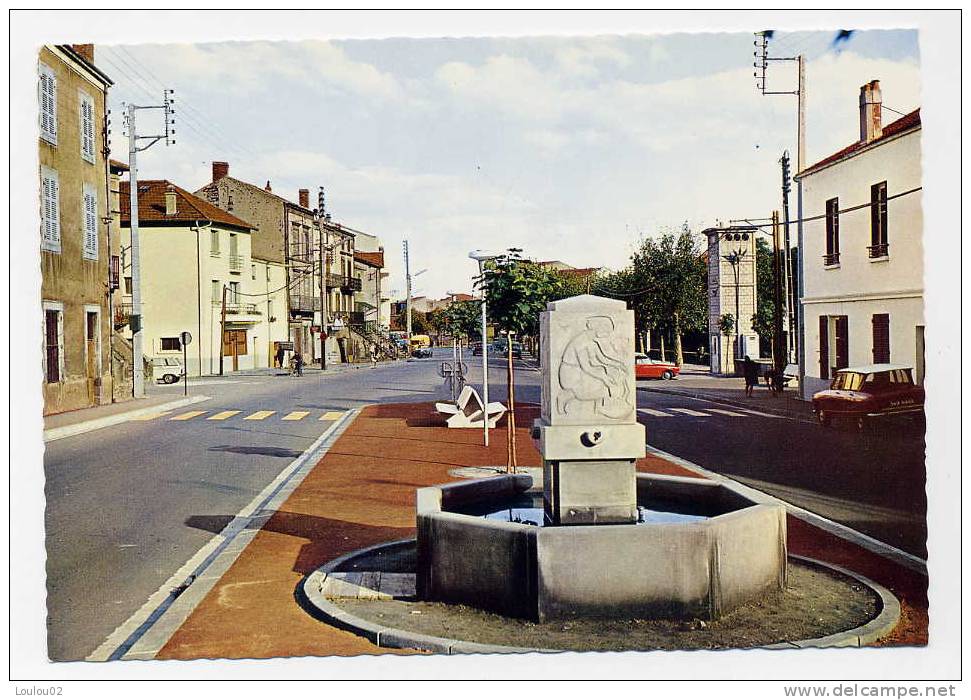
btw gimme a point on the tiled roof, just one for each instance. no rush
(906, 122)
(189, 208)
(257, 188)
(372, 259)
(117, 165)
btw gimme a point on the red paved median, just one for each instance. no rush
(362, 493)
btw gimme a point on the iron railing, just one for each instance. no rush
(235, 263)
(881, 250)
(304, 302)
(831, 259)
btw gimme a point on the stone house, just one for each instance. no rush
(862, 267)
(74, 232)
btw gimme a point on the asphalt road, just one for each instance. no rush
(130, 504)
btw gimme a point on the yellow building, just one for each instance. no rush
(74, 236)
(198, 275)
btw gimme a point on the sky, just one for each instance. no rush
(571, 148)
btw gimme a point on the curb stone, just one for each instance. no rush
(308, 592)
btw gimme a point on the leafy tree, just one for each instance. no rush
(516, 291)
(726, 324)
(419, 322)
(763, 321)
(460, 319)
(668, 277)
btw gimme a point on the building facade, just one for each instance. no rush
(198, 274)
(863, 266)
(74, 232)
(285, 236)
(732, 296)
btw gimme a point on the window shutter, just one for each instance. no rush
(87, 127)
(842, 342)
(90, 217)
(881, 338)
(50, 228)
(824, 347)
(48, 104)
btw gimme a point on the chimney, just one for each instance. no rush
(304, 198)
(86, 51)
(170, 205)
(268, 188)
(870, 107)
(220, 169)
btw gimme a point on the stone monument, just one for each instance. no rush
(588, 432)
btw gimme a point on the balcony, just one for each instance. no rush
(236, 263)
(122, 313)
(242, 308)
(831, 259)
(881, 250)
(334, 281)
(351, 284)
(301, 304)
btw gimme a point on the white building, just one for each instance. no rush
(862, 262)
(731, 293)
(190, 251)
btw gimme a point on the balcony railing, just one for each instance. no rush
(831, 259)
(236, 307)
(334, 281)
(351, 284)
(235, 263)
(122, 314)
(304, 303)
(881, 250)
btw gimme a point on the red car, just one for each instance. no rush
(868, 391)
(646, 368)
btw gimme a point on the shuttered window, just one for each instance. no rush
(842, 342)
(881, 338)
(878, 220)
(824, 347)
(86, 109)
(832, 232)
(50, 225)
(47, 99)
(53, 342)
(89, 219)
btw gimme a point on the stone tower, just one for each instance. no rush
(731, 250)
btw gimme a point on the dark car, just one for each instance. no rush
(858, 394)
(420, 352)
(476, 348)
(500, 348)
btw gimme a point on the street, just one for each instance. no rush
(130, 504)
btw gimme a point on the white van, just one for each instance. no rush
(167, 370)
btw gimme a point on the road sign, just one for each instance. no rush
(185, 337)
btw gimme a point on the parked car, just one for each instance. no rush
(167, 370)
(477, 348)
(860, 393)
(421, 352)
(646, 368)
(500, 348)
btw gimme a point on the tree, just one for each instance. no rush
(460, 319)
(419, 322)
(669, 280)
(726, 324)
(763, 321)
(516, 291)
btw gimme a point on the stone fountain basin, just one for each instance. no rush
(682, 570)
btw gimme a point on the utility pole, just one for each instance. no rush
(322, 240)
(787, 268)
(407, 296)
(222, 332)
(761, 63)
(779, 346)
(135, 322)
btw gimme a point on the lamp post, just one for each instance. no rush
(481, 256)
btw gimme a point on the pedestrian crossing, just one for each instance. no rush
(706, 413)
(224, 415)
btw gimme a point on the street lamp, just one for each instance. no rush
(481, 256)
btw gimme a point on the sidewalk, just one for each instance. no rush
(696, 382)
(362, 492)
(309, 369)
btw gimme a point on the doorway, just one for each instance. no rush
(92, 353)
(234, 345)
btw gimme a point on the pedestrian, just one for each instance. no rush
(374, 355)
(298, 363)
(279, 356)
(750, 369)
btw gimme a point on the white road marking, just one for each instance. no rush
(690, 412)
(223, 415)
(188, 415)
(654, 412)
(332, 415)
(726, 413)
(296, 415)
(259, 415)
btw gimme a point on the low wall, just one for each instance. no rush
(697, 569)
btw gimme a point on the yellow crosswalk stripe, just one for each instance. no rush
(259, 415)
(296, 415)
(187, 415)
(332, 415)
(223, 415)
(152, 416)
